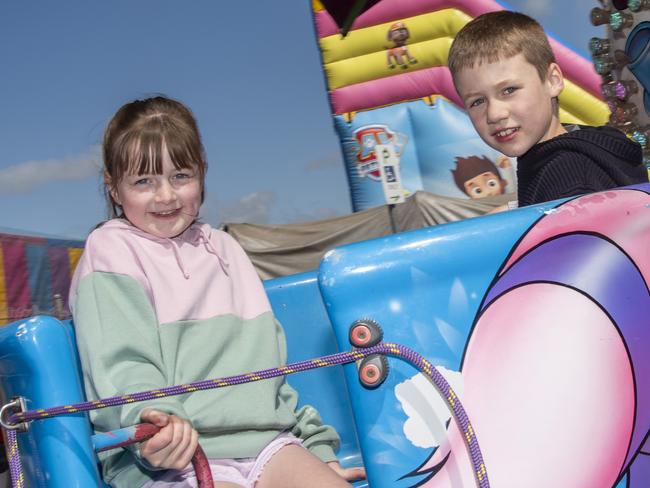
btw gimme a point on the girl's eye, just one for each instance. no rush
(510, 90)
(182, 176)
(141, 182)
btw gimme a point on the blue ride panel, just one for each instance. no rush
(38, 361)
(423, 288)
(430, 290)
(297, 303)
(438, 291)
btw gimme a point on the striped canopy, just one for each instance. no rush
(33, 271)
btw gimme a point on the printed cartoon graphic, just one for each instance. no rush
(478, 177)
(366, 138)
(555, 374)
(398, 55)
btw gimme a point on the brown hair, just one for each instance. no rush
(470, 167)
(136, 135)
(500, 35)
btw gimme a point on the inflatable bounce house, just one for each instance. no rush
(519, 362)
(388, 84)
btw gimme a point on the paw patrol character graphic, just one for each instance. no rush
(399, 53)
(478, 177)
(365, 140)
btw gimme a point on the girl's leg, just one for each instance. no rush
(295, 467)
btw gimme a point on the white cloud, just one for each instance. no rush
(332, 160)
(254, 208)
(425, 407)
(258, 208)
(27, 176)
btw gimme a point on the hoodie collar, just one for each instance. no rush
(196, 235)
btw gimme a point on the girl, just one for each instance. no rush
(160, 299)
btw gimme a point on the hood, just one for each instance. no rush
(196, 235)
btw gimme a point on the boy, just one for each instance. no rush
(505, 72)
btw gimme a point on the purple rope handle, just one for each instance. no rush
(13, 458)
(383, 348)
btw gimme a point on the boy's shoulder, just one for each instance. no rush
(586, 142)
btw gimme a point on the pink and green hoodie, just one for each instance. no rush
(151, 312)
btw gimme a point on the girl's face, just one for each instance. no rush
(163, 205)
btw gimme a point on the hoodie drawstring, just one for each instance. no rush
(210, 248)
(199, 237)
(179, 259)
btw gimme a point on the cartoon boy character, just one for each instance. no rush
(478, 177)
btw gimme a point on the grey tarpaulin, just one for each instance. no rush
(280, 250)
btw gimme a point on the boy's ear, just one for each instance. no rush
(555, 79)
(108, 181)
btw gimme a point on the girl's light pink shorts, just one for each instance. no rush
(243, 472)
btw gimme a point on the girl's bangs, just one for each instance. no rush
(183, 154)
(144, 155)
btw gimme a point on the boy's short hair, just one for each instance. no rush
(501, 35)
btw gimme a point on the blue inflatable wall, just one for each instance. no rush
(431, 137)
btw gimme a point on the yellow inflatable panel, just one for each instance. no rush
(567, 118)
(583, 105)
(374, 66)
(432, 25)
(316, 6)
(574, 100)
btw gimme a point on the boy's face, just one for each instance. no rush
(510, 107)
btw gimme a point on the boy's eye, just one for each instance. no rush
(476, 103)
(510, 90)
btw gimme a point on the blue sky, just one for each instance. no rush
(250, 71)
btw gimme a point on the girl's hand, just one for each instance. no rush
(173, 446)
(348, 474)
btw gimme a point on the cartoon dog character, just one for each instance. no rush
(398, 34)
